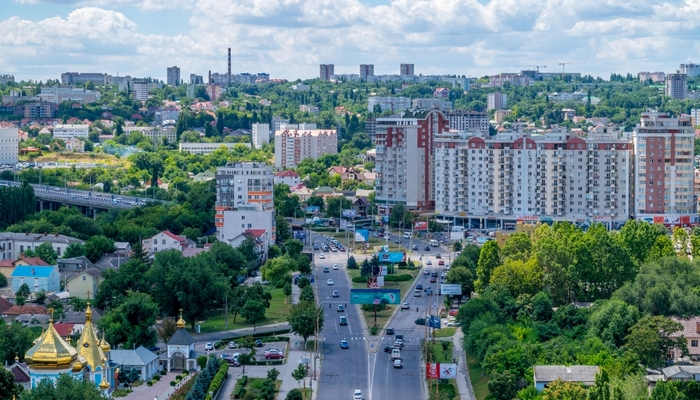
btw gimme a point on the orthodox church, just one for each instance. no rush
(51, 356)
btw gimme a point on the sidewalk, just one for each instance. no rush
(161, 390)
(464, 385)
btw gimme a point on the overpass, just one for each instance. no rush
(89, 202)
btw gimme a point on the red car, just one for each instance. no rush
(441, 262)
(453, 312)
(433, 280)
(274, 355)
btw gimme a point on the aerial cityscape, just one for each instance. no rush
(433, 212)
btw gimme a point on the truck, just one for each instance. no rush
(395, 354)
(434, 243)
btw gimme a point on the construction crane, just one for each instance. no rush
(564, 64)
(532, 66)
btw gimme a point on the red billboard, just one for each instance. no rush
(421, 226)
(432, 371)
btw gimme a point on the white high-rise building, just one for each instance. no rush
(407, 70)
(677, 86)
(261, 135)
(664, 166)
(514, 175)
(292, 146)
(140, 89)
(461, 120)
(405, 158)
(9, 146)
(692, 70)
(496, 101)
(277, 123)
(70, 131)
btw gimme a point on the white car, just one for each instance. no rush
(405, 306)
(208, 347)
(335, 266)
(322, 256)
(357, 395)
(426, 272)
(429, 262)
(330, 282)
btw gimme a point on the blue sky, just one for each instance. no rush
(40, 39)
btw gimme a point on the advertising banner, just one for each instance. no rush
(440, 371)
(313, 209)
(432, 371)
(380, 281)
(433, 322)
(421, 225)
(361, 235)
(385, 270)
(349, 214)
(375, 296)
(451, 289)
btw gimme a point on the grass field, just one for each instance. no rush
(254, 386)
(278, 312)
(439, 355)
(445, 332)
(445, 390)
(477, 377)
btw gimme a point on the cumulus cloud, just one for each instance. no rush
(288, 38)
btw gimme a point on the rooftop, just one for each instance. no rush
(575, 373)
(37, 271)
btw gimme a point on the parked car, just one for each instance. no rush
(397, 363)
(209, 347)
(357, 395)
(258, 343)
(154, 349)
(387, 349)
(232, 345)
(322, 256)
(274, 355)
(419, 287)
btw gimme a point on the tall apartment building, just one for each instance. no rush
(74, 78)
(407, 70)
(462, 120)
(244, 202)
(692, 70)
(513, 79)
(6, 78)
(664, 169)
(388, 103)
(58, 95)
(155, 133)
(655, 76)
(260, 135)
(405, 158)
(677, 86)
(371, 127)
(292, 146)
(39, 109)
(277, 122)
(140, 89)
(326, 71)
(556, 176)
(431, 104)
(69, 131)
(9, 146)
(196, 79)
(695, 116)
(173, 77)
(366, 70)
(496, 101)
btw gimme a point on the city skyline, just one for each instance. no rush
(43, 38)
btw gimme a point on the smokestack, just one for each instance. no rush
(229, 66)
(209, 82)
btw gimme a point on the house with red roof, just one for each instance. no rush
(288, 177)
(167, 240)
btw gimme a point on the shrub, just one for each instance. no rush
(173, 383)
(374, 330)
(149, 383)
(156, 377)
(178, 377)
(185, 372)
(164, 372)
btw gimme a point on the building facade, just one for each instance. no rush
(431, 104)
(326, 71)
(366, 70)
(462, 120)
(58, 94)
(664, 168)
(9, 146)
(207, 148)
(37, 277)
(12, 245)
(692, 70)
(140, 89)
(39, 109)
(655, 76)
(292, 146)
(74, 78)
(405, 158)
(407, 70)
(166, 240)
(514, 174)
(70, 131)
(6, 78)
(287, 177)
(260, 135)
(173, 76)
(496, 101)
(677, 86)
(154, 133)
(392, 104)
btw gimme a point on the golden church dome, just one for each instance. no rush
(181, 322)
(89, 346)
(104, 345)
(50, 351)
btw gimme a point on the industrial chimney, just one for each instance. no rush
(229, 66)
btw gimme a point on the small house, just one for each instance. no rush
(140, 359)
(37, 277)
(546, 374)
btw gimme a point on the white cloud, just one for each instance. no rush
(288, 38)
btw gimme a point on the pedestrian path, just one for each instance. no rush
(464, 385)
(161, 390)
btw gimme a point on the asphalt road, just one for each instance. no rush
(371, 370)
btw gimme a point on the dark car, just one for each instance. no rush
(154, 349)
(258, 343)
(438, 255)
(387, 349)
(399, 336)
(315, 247)
(325, 269)
(389, 331)
(344, 344)
(419, 287)
(427, 248)
(420, 321)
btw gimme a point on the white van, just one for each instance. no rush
(408, 235)
(434, 243)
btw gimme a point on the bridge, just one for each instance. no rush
(89, 202)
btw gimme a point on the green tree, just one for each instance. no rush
(489, 259)
(236, 301)
(542, 307)
(8, 388)
(166, 330)
(131, 324)
(521, 278)
(612, 320)
(680, 241)
(650, 338)
(559, 390)
(96, 246)
(638, 237)
(306, 319)
(284, 230)
(22, 294)
(3, 281)
(335, 204)
(75, 249)
(352, 263)
(287, 290)
(40, 297)
(65, 388)
(667, 391)
(253, 312)
(503, 385)
(517, 247)
(293, 247)
(365, 268)
(46, 252)
(278, 270)
(662, 247)
(463, 277)
(307, 294)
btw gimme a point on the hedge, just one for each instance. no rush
(237, 391)
(217, 381)
(387, 278)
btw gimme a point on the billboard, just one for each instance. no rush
(349, 214)
(451, 290)
(375, 296)
(420, 226)
(433, 322)
(440, 371)
(313, 209)
(361, 235)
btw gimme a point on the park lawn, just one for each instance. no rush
(445, 390)
(477, 377)
(278, 312)
(438, 354)
(445, 332)
(254, 385)
(382, 316)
